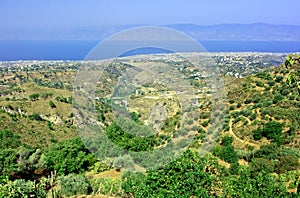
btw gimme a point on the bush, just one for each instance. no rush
(228, 154)
(259, 83)
(123, 162)
(264, 75)
(248, 101)
(9, 139)
(99, 167)
(205, 123)
(278, 78)
(260, 184)
(21, 188)
(204, 116)
(129, 141)
(285, 92)
(106, 186)
(226, 127)
(34, 97)
(277, 97)
(73, 184)
(234, 168)
(69, 156)
(268, 151)
(247, 112)
(7, 161)
(271, 83)
(287, 163)
(28, 160)
(227, 140)
(273, 130)
(261, 164)
(253, 116)
(36, 117)
(51, 104)
(257, 133)
(256, 99)
(176, 179)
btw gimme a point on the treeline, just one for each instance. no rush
(27, 171)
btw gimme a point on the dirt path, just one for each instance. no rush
(237, 138)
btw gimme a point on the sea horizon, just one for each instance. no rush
(15, 50)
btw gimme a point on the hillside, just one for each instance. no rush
(256, 153)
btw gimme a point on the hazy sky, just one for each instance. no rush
(72, 13)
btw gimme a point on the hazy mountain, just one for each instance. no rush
(256, 31)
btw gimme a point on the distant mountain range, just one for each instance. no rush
(256, 31)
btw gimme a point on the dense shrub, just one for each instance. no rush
(277, 98)
(234, 168)
(261, 164)
(187, 176)
(260, 184)
(205, 123)
(257, 133)
(73, 184)
(51, 104)
(284, 92)
(271, 83)
(248, 101)
(269, 151)
(69, 156)
(9, 139)
(287, 163)
(106, 186)
(228, 154)
(21, 188)
(253, 116)
(7, 161)
(34, 97)
(36, 117)
(227, 140)
(278, 78)
(273, 130)
(128, 141)
(264, 75)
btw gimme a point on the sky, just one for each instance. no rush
(78, 13)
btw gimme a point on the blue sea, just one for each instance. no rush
(78, 49)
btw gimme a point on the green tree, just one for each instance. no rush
(287, 163)
(260, 184)
(261, 164)
(277, 98)
(8, 161)
(257, 133)
(128, 141)
(34, 97)
(228, 154)
(273, 130)
(51, 104)
(187, 176)
(227, 140)
(9, 139)
(68, 156)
